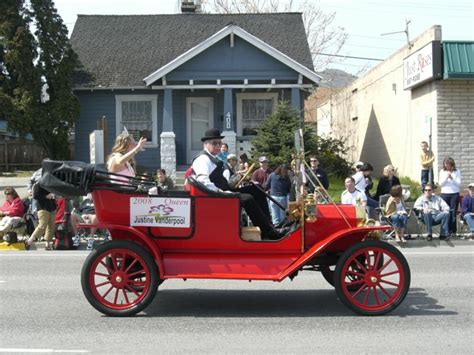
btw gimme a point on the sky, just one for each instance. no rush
(363, 21)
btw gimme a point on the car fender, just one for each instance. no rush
(356, 234)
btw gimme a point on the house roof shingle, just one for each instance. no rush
(120, 51)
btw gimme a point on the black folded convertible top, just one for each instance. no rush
(76, 178)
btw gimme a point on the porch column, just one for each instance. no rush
(167, 137)
(228, 131)
(296, 100)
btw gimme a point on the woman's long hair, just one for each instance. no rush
(450, 161)
(122, 142)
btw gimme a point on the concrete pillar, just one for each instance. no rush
(168, 153)
(167, 137)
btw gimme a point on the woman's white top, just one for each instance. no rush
(450, 185)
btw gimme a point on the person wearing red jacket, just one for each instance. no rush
(11, 212)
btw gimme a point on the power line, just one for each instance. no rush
(349, 56)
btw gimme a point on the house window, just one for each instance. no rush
(139, 114)
(252, 110)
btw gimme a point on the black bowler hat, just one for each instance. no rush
(211, 133)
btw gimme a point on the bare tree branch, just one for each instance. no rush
(322, 36)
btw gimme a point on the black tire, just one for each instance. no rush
(109, 278)
(328, 271)
(355, 281)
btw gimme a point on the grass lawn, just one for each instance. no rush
(19, 173)
(336, 186)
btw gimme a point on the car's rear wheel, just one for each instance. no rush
(119, 278)
(372, 287)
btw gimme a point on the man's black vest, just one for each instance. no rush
(217, 176)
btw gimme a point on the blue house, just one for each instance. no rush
(170, 77)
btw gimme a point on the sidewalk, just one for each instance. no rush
(42, 245)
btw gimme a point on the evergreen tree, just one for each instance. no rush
(276, 140)
(37, 89)
(20, 83)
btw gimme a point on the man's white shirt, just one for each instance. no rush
(353, 198)
(359, 179)
(203, 167)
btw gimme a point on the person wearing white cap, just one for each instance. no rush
(467, 209)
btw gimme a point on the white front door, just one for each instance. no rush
(199, 118)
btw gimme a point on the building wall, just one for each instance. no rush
(384, 124)
(456, 125)
(94, 105)
(98, 103)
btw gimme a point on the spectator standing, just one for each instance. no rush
(396, 211)
(244, 164)
(450, 182)
(433, 211)
(11, 212)
(361, 183)
(386, 182)
(279, 185)
(426, 159)
(230, 172)
(163, 181)
(351, 195)
(224, 152)
(46, 207)
(368, 180)
(468, 209)
(320, 174)
(261, 175)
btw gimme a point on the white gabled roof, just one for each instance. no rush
(216, 37)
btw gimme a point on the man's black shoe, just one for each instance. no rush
(429, 237)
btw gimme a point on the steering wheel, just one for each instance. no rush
(245, 175)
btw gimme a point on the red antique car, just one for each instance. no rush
(198, 234)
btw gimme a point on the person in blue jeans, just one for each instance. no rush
(433, 211)
(279, 185)
(468, 209)
(396, 211)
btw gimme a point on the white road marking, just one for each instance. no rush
(13, 350)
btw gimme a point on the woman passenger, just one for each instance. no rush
(121, 160)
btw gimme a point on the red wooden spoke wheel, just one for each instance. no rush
(328, 271)
(119, 278)
(372, 287)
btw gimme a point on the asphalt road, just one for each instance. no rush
(43, 310)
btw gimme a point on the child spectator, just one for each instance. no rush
(426, 159)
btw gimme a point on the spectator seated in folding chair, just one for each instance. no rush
(11, 216)
(467, 211)
(432, 210)
(395, 212)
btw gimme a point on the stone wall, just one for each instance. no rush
(456, 125)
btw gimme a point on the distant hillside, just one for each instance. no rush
(335, 78)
